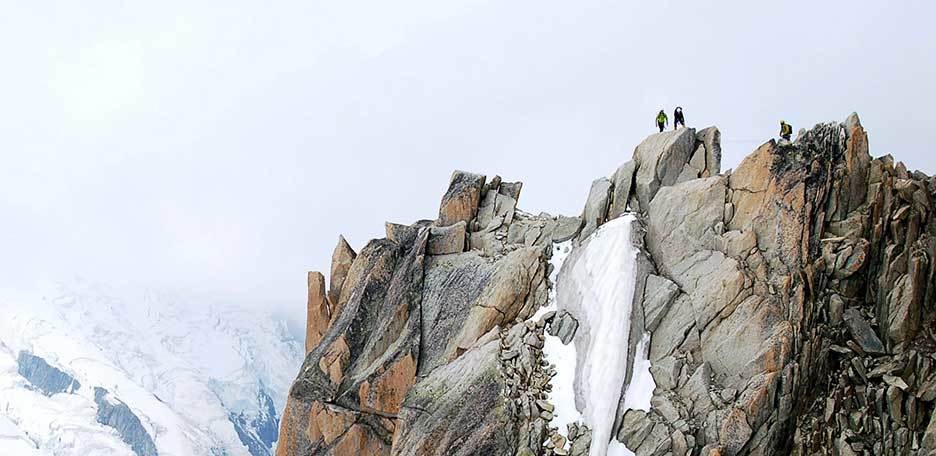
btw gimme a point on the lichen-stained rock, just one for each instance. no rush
(444, 240)
(847, 257)
(453, 285)
(749, 183)
(401, 234)
(517, 288)
(317, 311)
(466, 295)
(660, 159)
(312, 428)
(342, 257)
(458, 410)
(460, 202)
(734, 432)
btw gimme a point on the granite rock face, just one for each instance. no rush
(408, 342)
(790, 303)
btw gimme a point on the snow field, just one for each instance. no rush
(606, 275)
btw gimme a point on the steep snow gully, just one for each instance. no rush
(595, 284)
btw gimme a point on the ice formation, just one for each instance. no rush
(597, 286)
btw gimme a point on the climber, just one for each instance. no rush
(678, 118)
(786, 130)
(662, 120)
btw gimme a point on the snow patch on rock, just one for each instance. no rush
(563, 356)
(597, 285)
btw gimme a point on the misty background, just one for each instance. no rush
(219, 148)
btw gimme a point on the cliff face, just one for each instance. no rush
(789, 307)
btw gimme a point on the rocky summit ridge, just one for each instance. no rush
(789, 302)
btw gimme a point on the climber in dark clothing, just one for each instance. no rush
(786, 130)
(678, 118)
(661, 120)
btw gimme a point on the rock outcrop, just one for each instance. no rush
(43, 377)
(112, 412)
(790, 305)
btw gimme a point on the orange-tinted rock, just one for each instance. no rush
(359, 441)
(335, 360)
(325, 430)
(460, 202)
(317, 312)
(329, 423)
(342, 257)
(386, 391)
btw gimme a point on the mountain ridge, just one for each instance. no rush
(771, 295)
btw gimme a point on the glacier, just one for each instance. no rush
(199, 379)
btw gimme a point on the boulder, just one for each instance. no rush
(444, 240)
(460, 202)
(710, 140)
(563, 326)
(862, 333)
(660, 159)
(659, 294)
(635, 427)
(401, 234)
(596, 207)
(623, 182)
(566, 228)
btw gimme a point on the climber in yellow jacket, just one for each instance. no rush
(786, 130)
(661, 120)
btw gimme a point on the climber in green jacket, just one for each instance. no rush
(661, 120)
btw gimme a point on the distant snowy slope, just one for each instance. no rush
(156, 374)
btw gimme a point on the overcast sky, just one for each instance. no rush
(219, 148)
